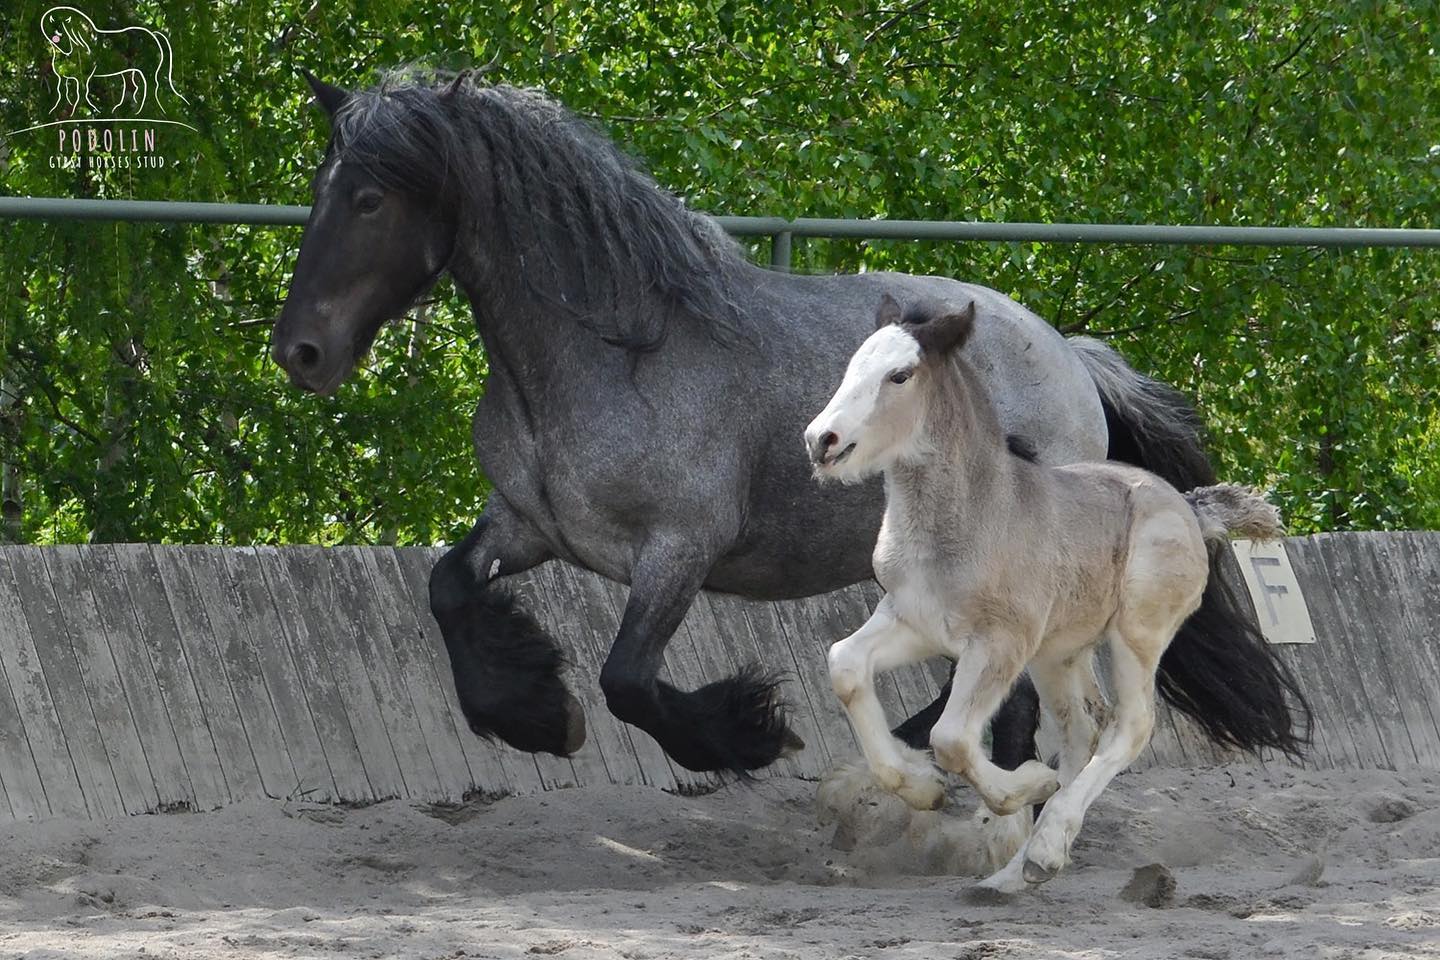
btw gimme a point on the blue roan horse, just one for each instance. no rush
(647, 388)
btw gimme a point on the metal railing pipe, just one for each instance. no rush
(56, 208)
(151, 211)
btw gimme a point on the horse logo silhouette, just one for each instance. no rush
(83, 53)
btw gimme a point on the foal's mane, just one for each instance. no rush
(587, 231)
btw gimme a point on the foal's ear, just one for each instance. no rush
(941, 334)
(887, 313)
(331, 97)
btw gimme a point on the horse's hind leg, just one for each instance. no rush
(734, 724)
(506, 668)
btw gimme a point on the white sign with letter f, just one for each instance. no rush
(1279, 604)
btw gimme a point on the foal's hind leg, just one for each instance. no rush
(1012, 729)
(1134, 656)
(985, 667)
(1069, 691)
(883, 642)
(506, 668)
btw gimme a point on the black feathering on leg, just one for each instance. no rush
(735, 725)
(1012, 729)
(507, 674)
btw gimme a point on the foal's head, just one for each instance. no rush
(875, 417)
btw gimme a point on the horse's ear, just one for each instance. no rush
(455, 85)
(941, 334)
(331, 97)
(887, 313)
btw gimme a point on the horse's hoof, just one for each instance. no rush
(1035, 873)
(574, 725)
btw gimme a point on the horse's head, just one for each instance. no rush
(380, 233)
(875, 416)
(67, 30)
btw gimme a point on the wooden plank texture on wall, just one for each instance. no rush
(133, 677)
(62, 673)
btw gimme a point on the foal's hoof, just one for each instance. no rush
(1033, 781)
(999, 887)
(574, 725)
(1036, 873)
(922, 794)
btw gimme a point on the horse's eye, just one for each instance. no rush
(368, 202)
(900, 376)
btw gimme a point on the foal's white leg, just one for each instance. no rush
(1068, 689)
(883, 643)
(1134, 660)
(985, 669)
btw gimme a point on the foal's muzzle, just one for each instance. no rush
(825, 448)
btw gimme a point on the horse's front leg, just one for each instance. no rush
(86, 89)
(883, 642)
(506, 668)
(736, 724)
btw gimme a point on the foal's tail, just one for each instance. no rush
(1227, 509)
(1219, 671)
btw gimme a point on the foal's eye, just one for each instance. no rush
(368, 202)
(900, 376)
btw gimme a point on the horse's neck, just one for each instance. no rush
(521, 334)
(961, 469)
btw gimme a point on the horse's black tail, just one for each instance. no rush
(1151, 424)
(1218, 670)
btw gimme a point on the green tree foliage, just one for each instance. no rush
(139, 403)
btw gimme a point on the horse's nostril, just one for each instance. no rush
(304, 356)
(828, 440)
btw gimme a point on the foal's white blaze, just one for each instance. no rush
(868, 415)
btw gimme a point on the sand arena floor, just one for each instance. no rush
(1274, 863)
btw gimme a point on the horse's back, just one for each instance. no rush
(1038, 384)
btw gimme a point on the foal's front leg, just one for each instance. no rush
(884, 642)
(985, 668)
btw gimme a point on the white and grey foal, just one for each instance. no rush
(999, 562)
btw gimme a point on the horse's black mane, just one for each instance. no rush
(586, 229)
